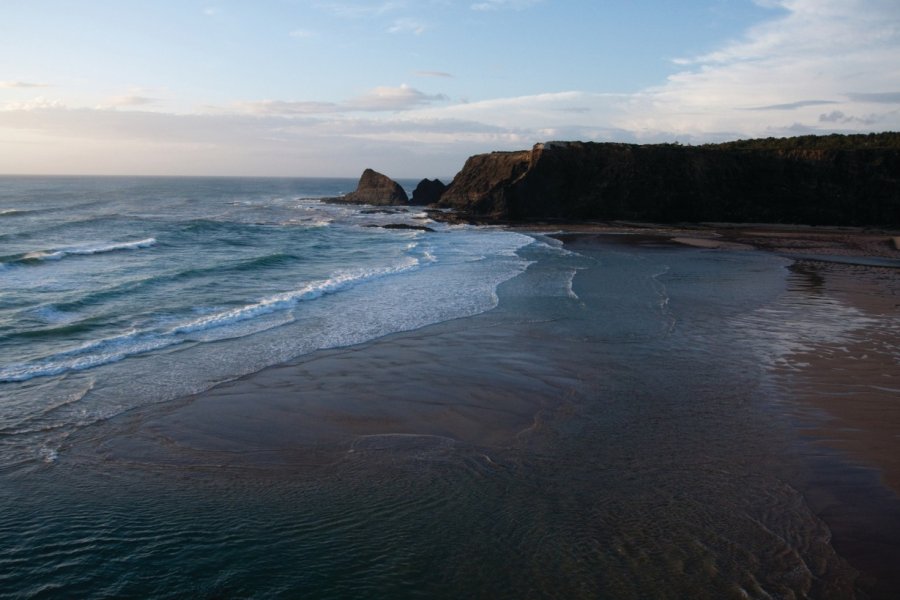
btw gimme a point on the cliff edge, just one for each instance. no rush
(818, 180)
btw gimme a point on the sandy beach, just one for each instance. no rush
(657, 428)
(647, 412)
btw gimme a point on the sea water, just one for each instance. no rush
(119, 292)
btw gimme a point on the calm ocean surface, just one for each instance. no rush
(465, 413)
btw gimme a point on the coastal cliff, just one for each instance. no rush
(827, 180)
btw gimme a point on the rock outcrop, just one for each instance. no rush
(374, 188)
(831, 180)
(429, 191)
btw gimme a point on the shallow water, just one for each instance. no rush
(619, 426)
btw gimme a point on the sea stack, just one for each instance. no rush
(375, 188)
(429, 191)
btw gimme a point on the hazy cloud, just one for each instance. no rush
(794, 105)
(302, 34)
(379, 99)
(355, 10)
(131, 100)
(279, 107)
(834, 116)
(21, 84)
(837, 116)
(392, 98)
(877, 98)
(503, 4)
(407, 26)
(432, 74)
(34, 104)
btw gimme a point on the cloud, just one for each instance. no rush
(379, 99)
(503, 4)
(34, 104)
(108, 141)
(837, 116)
(815, 66)
(432, 74)
(21, 85)
(877, 97)
(794, 105)
(814, 50)
(407, 25)
(352, 10)
(131, 100)
(303, 34)
(392, 99)
(279, 107)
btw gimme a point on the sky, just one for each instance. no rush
(412, 88)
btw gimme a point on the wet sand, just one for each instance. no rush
(519, 390)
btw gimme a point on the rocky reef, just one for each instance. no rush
(818, 180)
(374, 188)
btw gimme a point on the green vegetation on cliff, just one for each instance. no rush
(821, 180)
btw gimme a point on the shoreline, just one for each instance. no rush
(798, 241)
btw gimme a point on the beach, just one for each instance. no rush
(226, 388)
(636, 418)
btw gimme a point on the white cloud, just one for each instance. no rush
(811, 53)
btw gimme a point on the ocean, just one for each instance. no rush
(116, 290)
(224, 388)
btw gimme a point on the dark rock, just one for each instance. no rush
(374, 188)
(828, 180)
(403, 226)
(428, 191)
(382, 211)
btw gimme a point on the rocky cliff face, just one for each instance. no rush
(854, 184)
(375, 188)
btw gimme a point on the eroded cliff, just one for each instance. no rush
(834, 180)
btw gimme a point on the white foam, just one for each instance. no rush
(116, 348)
(88, 249)
(88, 355)
(289, 299)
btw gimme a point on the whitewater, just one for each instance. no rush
(121, 292)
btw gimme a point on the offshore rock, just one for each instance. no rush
(429, 191)
(824, 180)
(374, 188)
(403, 226)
